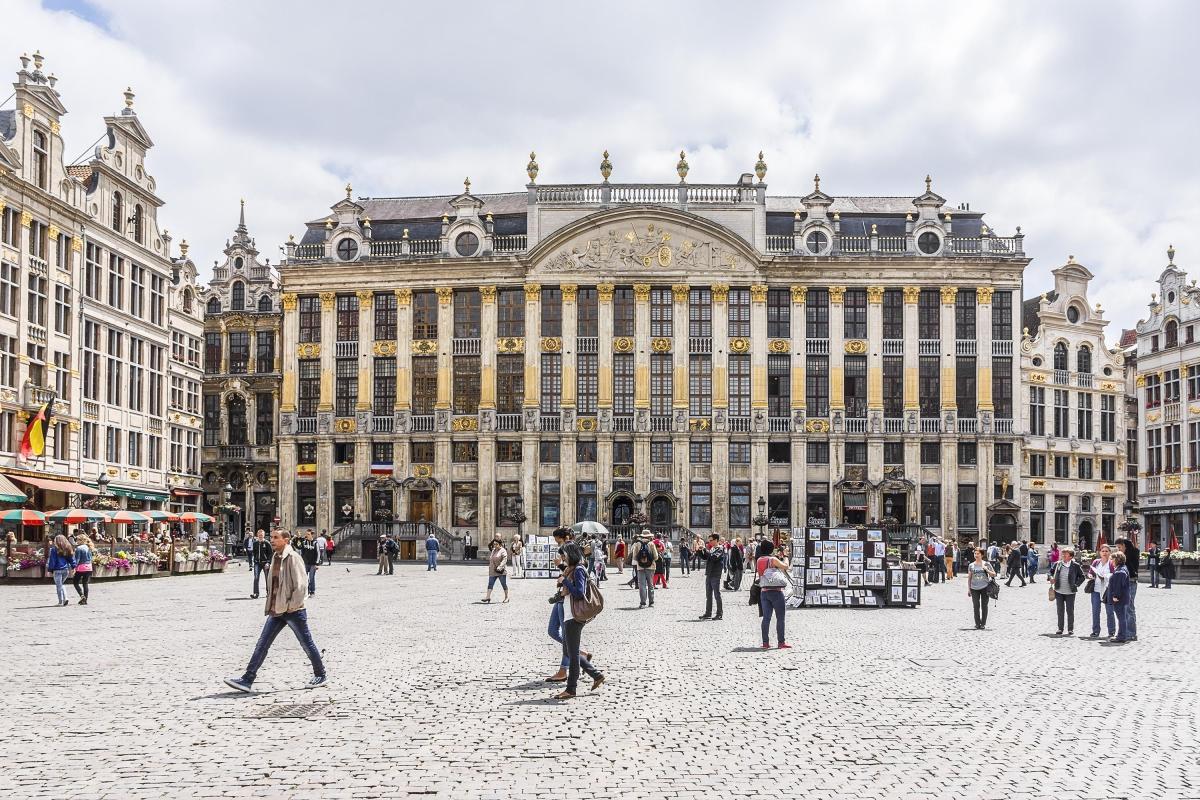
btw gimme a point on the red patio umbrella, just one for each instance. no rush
(123, 516)
(23, 516)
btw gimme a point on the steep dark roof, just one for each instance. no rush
(387, 209)
(8, 124)
(1029, 312)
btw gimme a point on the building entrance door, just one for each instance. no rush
(420, 505)
(408, 550)
(895, 506)
(854, 508)
(622, 509)
(662, 514)
(1085, 535)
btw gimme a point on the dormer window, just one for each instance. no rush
(1072, 315)
(213, 307)
(929, 243)
(1083, 360)
(41, 160)
(1060, 357)
(187, 301)
(238, 263)
(264, 303)
(118, 213)
(816, 242)
(466, 244)
(347, 249)
(1172, 333)
(237, 298)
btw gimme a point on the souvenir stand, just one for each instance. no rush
(848, 567)
(539, 557)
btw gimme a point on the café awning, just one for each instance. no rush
(10, 492)
(67, 487)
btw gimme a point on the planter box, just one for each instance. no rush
(33, 573)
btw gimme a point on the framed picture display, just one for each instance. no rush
(843, 568)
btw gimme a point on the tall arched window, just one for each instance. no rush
(187, 301)
(1172, 333)
(213, 307)
(138, 227)
(41, 160)
(237, 296)
(1083, 360)
(237, 420)
(264, 303)
(1060, 356)
(118, 209)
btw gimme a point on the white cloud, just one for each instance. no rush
(1073, 120)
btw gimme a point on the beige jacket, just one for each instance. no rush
(293, 583)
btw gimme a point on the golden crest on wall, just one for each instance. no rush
(424, 347)
(856, 346)
(465, 424)
(779, 346)
(384, 348)
(700, 424)
(344, 425)
(1037, 377)
(550, 344)
(817, 426)
(510, 344)
(739, 345)
(308, 350)
(422, 471)
(661, 344)
(623, 344)
(1172, 483)
(585, 424)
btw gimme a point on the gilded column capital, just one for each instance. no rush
(949, 294)
(837, 294)
(758, 293)
(569, 291)
(26, 219)
(487, 294)
(445, 295)
(912, 294)
(874, 295)
(641, 292)
(289, 301)
(533, 291)
(680, 290)
(983, 294)
(799, 294)
(604, 292)
(365, 298)
(720, 292)
(327, 299)
(403, 297)
(52, 232)
(76, 244)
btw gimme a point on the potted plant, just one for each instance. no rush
(217, 560)
(28, 565)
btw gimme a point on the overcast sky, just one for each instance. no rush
(1075, 120)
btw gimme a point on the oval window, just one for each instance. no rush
(466, 244)
(1037, 361)
(1073, 314)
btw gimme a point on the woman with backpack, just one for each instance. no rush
(574, 588)
(497, 569)
(83, 567)
(775, 585)
(60, 562)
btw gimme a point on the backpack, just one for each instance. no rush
(586, 608)
(644, 559)
(392, 547)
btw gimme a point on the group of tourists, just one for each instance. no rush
(71, 559)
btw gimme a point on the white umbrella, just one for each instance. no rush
(589, 526)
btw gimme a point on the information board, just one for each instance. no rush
(841, 567)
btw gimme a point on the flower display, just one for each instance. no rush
(217, 556)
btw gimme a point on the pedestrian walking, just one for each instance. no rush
(262, 559)
(619, 555)
(284, 609)
(83, 567)
(644, 557)
(1119, 595)
(951, 560)
(922, 562)
(59, 563)
(1153, 559)
(308, 554)
(979, 584)
(330, 546)
(685, 557)
(574, 587)
(321, 543)
(516, 556)
(775, 584)
(668, 554)
(468, 548)
(432, 548)
(1032, 562)
(737, 565)
(497, 569)
(1166, 566)
(993, 557)
(1053, 557)
(659, 576)
(1132, 562)
(248, 546)
(1014, 565)
(713, 555)
(1065, 579)
(562, 537)
(938, 560)
(1099, 572)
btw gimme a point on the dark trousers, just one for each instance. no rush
(685, 560)
(1065, 604)
(260, 568)
(772, 603)
(572, 633)
(1153, 578)
(390, 564)
(979, 604)
(312, 579)
(712, 588)
(1016, 572)
(1121, 613)
(80, 582)
(298, 622)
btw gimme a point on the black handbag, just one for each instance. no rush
(993, 589)
(1090, 586)
(755, 593)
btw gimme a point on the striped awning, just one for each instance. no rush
(9, 492)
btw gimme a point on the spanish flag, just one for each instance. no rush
(34, 443)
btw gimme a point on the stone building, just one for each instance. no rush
(85, 279)
(1073, 417)
(702, 351)
(185, 317)
(1168, 393)
(241, 382)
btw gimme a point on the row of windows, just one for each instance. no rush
(1061, 415)
(237, 420)
(38, 368)
(124, 285)
(58, 445)
(132, 448)
(510, 314)
(1062, 513)
(1061, 467)
(130, 367)
(239, 351)
(237, 300)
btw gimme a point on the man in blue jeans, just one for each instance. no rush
(285, 609)
(260, 551)
(432, 548)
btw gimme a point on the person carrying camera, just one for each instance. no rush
(713, 555)
(574, 585)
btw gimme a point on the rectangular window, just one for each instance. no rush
(212, 420)
(551, 383)
(1002, 316)
(817, 452)
(384, 387)
(62, 308)
(136, 373)
(700, 385)
(967, 506)
(1083, 428)
(893, 453)
(929, 314)
(508, 450)
(158, 298)
(779, 313)
(1002, 387)
(929, 385)
(137, 290)
(466, 314)
(1037, 411)
(1108, 420)
(585, 451)
(739, 386)
(347, 318)
(700, 508)
(10, 289)
(856, 452)
(1002, 453)
(424, 315)
(779, 385)
(816, 314)
(739, 312)
(466, 384)
(510, 313)
(855, 386)
(660, 451)
(549, 451)
(1062, 467)
(116, 281)
(310, 319)
(510, 383)
(424, 384)
(816, 386)
(739, 505)
(1062, 413)
(422, 452)
(464, 452)
(465, 499)
(931, 505)
(623, 451)
(661, 384)
(308, 388)
(385, 316)
(8, 361)
(551, 312)
(739, 452)
(1108, 466)
(623, 383)
(893, 314)
(779, 452)
(854, 307)
(700, 313)
(662, 308)
(586, 505)
(9, 225)
(343, 453)
(239, 352)
(623, 311)
(508, 503)
(1085, 469)
(116, 359)
(893, 386)
(264, 418)
(345, 387)
(700, 451)
(587, 311)
(112, 445)
(964, 314)
(264, 351)
(38, 288)
(587, 391)
(968, 454)
(965, 381)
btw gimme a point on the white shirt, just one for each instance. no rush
(321, 544)
(939, 549)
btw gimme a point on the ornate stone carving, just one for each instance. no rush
(604, 292)
(465, 424)
(569, 291)
(487, 294)
(365, 298)
(1172, 483)
(912, 294)
(445, 295)
(700, 424)
(308, 350)
(661, 344)
(758, 293)
(327, 300)
(739, 345)
(510, 344)
(403, 297)
(424, 347)
(641, 292)
(1109, 386)
(76, 244)
(949, 295)
(856, 347)
(422, 471)
(344, 425)
(837, 294)
(799, 294)
(533, 291)
(1037, 377)
(874, 295)
(817, 426)
(26, 219)
(623, 344)
(983, 294)
(720, 292)
(52, 232)
(551, 344)
(586, 424)
(779, 346)
(680, 292)
(384, 348)
(289, 301)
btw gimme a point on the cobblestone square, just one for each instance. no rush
(433, 694)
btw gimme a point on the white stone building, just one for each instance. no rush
(1073, 417)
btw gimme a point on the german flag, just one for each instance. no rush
(34, 443)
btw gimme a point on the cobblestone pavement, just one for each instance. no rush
(433, 694)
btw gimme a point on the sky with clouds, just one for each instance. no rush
(1075, 120)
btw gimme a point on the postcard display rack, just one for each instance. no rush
(539, 557)
(848, 567)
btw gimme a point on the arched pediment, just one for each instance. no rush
(643, 241)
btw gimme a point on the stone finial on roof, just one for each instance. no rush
(183, 248)
(1170, 255)
(682, 167)
(467, 185)
(928, 183)
(605, 167)
(24, 61)
(348, 190)
(37, 59)
(531, 169)
(760, 167)
(1071, 260)
(816, 183)
(128, 101)
(242, 215)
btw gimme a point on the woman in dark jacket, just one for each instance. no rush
(736, 566)
(1117, 593)
(1166, 567)
(573, 587)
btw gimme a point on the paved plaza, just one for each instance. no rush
(435, 695)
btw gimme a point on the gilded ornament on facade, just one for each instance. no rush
(779, 346)
(533, 291)
(912, 294)
(1155, 417)
(641, 292)
(344, 425)
(604, 292)
(531, 169)
(308, 350)
(739, 345)
(52, 232)
(1037, 484)
(605, 167)
(1108, 487)
(837, 294)
(664, 256)
(55, 127)
(135, 474)
(700, 424)
(758, 293)
(1037, 377)
(856, 347)
(680, 292)
(510, 344)
(983, 294)
(445, 295)
(1172, 483)
(817, 426)
(551, 344)
(289, 301)
(403, 297)
(585, 424)
(660, 344)
(487, 294)
(1140, 381)
(465, 424)
(26, 219)
(874, 295)
(27, 110)
(949, 295)
(1108, 386)
(422, 471)
(327, 300)
(384, 348)
(569, 291)
(365, 298)
(424, 347)
(623, 344)
(799, 294)
(720, 292)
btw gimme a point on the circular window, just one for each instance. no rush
(237, 262)
(929, 243)
(1073, 314)
(1037, 361)
(138, 173)
(1108, 370)
(1170, 297)
(816, 242)
(347, 249)
(466, 244)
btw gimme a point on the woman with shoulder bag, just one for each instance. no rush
(775, 585)
(574, 587)
(497, 569)
(980, 576)
(1098, 574)
(83, 568)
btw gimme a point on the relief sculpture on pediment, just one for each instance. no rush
(641, 247)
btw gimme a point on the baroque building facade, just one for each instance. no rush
(1072, 474)
(242, 376)
(700, 351)
(86, 284)
(1168, 400)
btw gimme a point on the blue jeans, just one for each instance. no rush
(1122, 615)
(431, 561)
(260, 568)
(772, 602)
(503, 582)
(312, 579)
(1032, 567)
(60, 576)
(298, 622)
(555, 630)
(1110, 618)
(1131, 610)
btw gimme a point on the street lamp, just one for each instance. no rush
(761, 520)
